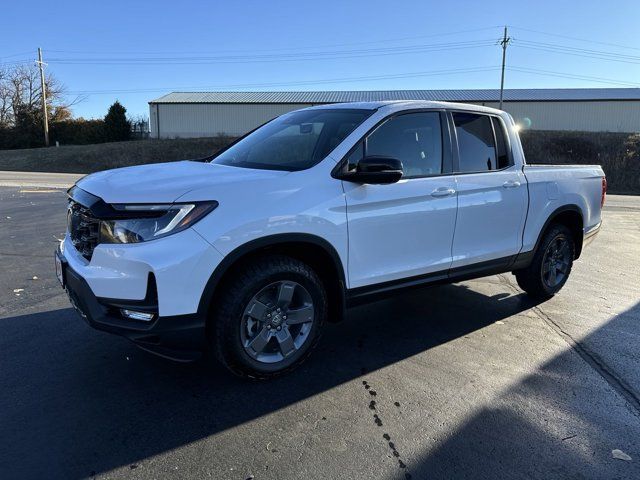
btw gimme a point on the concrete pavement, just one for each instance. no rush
(37, 179)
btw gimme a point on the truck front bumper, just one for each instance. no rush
(178, 337)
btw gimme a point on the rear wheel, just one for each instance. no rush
(269, 317)
(551, 264)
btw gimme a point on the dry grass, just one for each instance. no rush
(618, 153)
(103, 156)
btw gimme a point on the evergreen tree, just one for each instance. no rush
(116, 126)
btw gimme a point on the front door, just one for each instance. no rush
(403, 229)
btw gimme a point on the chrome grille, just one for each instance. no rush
(83, 228)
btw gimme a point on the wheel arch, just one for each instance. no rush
(570, 216)
(318, 253)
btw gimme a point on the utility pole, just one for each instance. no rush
(504, 42)
(44, 98)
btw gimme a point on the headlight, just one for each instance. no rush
(140, 223)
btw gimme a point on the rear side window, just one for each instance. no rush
(501, 143)
(476, 142)
(414, 138)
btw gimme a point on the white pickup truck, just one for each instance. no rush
(249, 252)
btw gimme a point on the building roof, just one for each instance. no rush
(487, 95)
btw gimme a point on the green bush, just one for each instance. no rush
(27, 131)
(77, 132)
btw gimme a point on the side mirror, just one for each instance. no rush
(375, 170)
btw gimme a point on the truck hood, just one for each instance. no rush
(166, 182)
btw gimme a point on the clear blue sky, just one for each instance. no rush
(136, 51)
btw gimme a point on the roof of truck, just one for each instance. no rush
(399, 105)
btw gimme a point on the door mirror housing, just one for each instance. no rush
(375, 170)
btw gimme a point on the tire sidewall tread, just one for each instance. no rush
(250, 278)
(530, 278)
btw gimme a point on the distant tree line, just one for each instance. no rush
(21, 121)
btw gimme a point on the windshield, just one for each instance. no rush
(294, 141)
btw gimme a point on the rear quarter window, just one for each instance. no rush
(476, 142)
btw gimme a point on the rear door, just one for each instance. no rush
(403, 229)
(492, 192)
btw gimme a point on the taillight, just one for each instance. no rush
(604, 191)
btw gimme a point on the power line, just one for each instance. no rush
(339, 54)
(549, 50)
(299, 54)
(547, 73)
(578, 49)
(397, 39)
(573, 76)
(17, 62)
(578, 53)
(575, 38)
(16, 54)
(298, 83)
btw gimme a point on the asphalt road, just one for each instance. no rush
(470, 380)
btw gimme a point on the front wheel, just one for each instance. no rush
(269, 317)
(551, 264)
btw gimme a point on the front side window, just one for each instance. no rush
(294, 141)
(415, 139)
(476, 142)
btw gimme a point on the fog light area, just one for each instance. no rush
(133, 315)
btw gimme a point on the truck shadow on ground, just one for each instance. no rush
(84, 402)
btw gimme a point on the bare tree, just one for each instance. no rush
(20, 91)
(6, 96)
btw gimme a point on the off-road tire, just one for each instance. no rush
(532, 278)
(247, 281)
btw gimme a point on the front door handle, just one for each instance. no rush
(511, 184)
(443, 192)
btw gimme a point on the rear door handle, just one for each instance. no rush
(443, 192)
(511, 184)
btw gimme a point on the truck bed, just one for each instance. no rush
(557, 186)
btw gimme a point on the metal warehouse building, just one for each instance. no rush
(207, 114)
